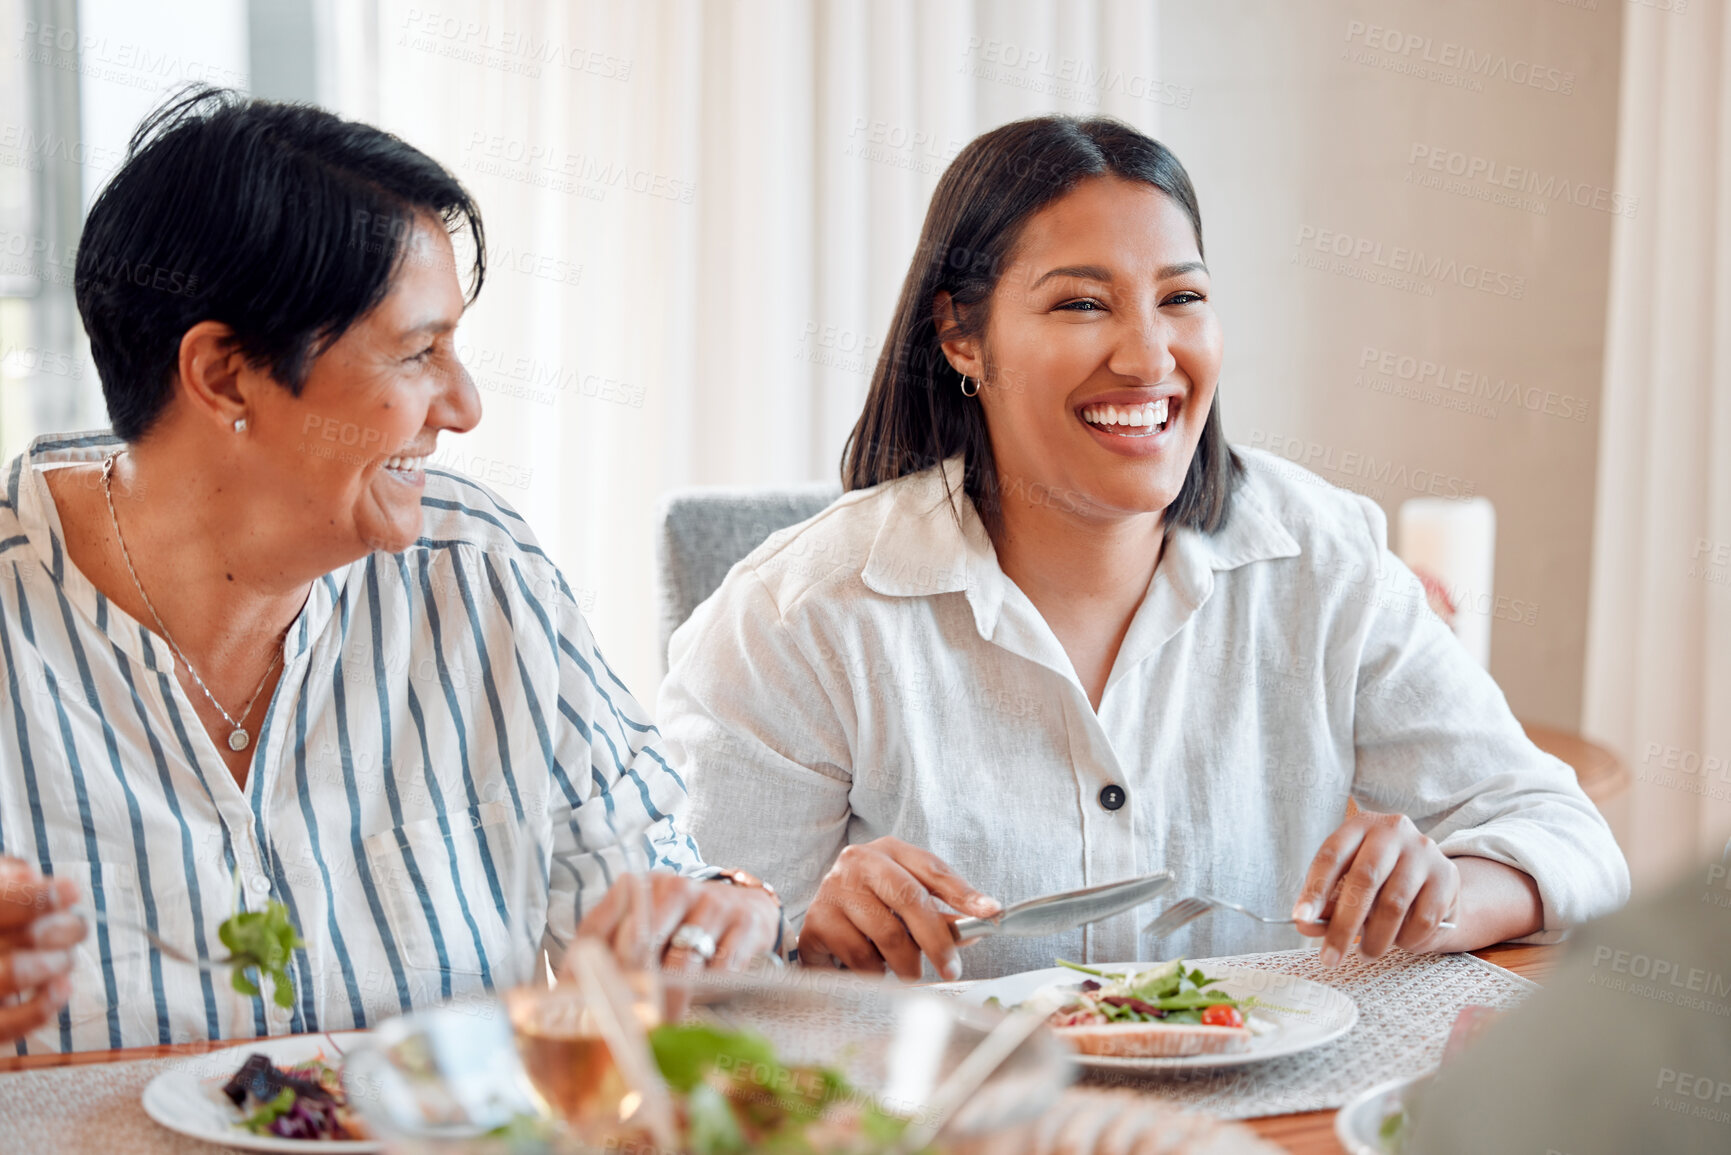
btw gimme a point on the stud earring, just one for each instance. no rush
(966, 381)
(240, 425)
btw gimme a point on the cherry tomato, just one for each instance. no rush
(1221, 1015)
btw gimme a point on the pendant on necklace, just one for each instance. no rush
(237, 741)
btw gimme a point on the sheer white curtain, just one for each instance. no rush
(701, 213)
(700, 216)
(1658, 683)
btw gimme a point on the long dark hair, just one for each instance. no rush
(916, 414)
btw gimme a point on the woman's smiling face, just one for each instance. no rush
(350, 450)
(1100, 353)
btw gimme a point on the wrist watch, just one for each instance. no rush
(743, 878)
(746, 879)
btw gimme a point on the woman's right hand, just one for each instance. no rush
(880, 903)
(36, 937)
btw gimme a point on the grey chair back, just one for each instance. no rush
(705, 531)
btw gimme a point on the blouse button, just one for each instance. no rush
(1112, 797)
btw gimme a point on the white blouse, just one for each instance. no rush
(873, 672)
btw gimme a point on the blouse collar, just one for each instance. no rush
(930, 544)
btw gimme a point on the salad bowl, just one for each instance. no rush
(1375, 1123)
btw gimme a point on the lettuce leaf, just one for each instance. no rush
(263, 941)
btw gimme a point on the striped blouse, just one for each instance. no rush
(436, 706)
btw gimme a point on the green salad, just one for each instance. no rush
(261, 941)
(734, 1095)
(1167, 992)
(731, 1095)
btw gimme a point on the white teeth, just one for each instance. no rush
(1147, 415)
(405, 464)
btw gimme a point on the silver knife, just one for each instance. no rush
(1057, 913)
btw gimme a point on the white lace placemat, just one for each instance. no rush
(90, 1108)
(1407, 1005)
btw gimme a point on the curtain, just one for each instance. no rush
(699, 215)
(1658, 677)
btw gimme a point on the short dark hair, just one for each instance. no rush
(282, 221)
(915, 413)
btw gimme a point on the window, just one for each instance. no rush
(47, 382)
(18, 281)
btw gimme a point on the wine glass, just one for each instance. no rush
(580, 1031)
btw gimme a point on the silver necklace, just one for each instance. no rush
(237, 737)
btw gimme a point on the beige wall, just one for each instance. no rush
(1305, 127)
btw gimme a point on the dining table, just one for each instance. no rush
(1312, 1132)
(1302, 1133)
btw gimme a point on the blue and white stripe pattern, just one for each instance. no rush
(436, 707)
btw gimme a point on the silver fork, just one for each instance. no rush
(168, 949)
(1187, 910)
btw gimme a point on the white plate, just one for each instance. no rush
(1328, 1014)
(188, 1097)
(1358, 1125)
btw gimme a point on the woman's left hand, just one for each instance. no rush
(1394, 884)
(737, 923)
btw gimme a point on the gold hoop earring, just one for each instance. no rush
(966, 381)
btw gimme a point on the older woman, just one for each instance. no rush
(1059, 633)
(253, 650)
